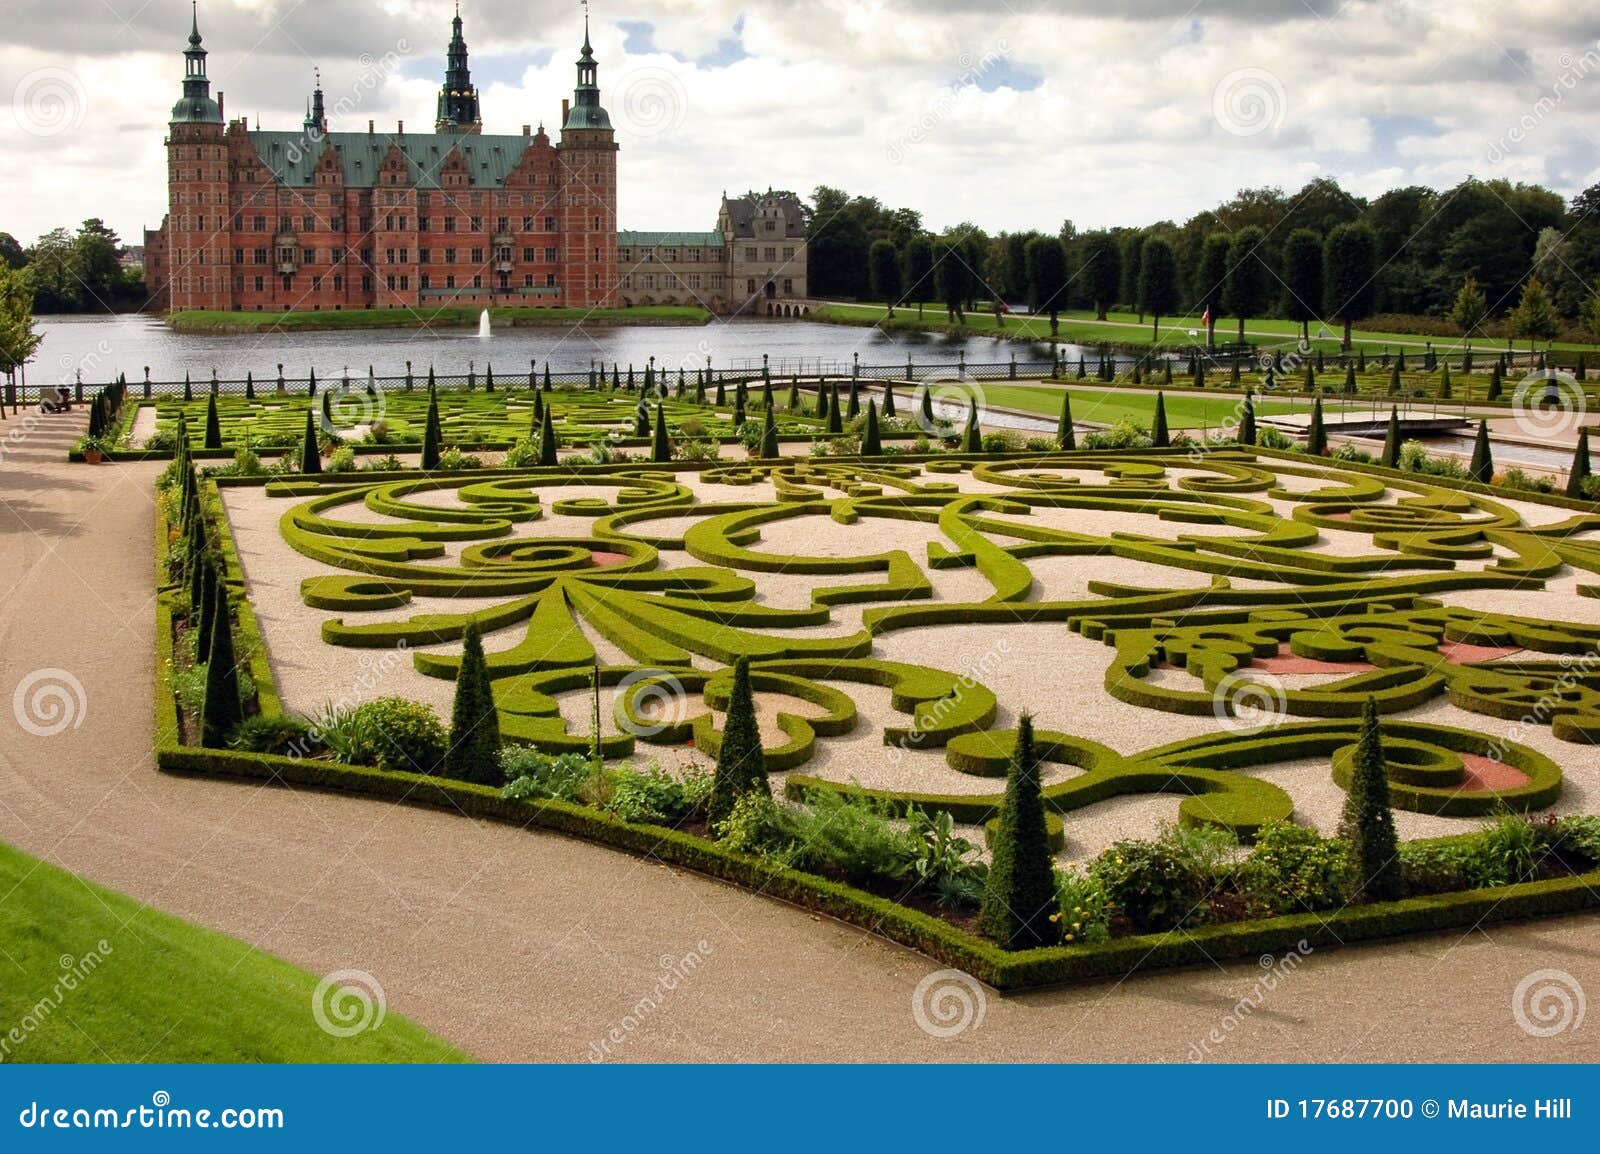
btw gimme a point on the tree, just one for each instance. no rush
(1250, 280)
(1019, 900)
(1302, 278)
(1213, 276)
(18, 341)
(883, 267)
(1159, 437)
(1580, 470)
(1349, 264)
(1047, 278)
(954, 276)
(1481, 469)
(1158, 281)
(1367, 823)
(52, 272)
(1101, 271)
(917, 273)
(310, 449)
(1247, 422)
(741, 762)
(222, 710)
(474, 753)
(1132, 259)
(1535, 315)
(972, 435)
(1469, 308)
(432, 434)
(661, 445)
(11, 254)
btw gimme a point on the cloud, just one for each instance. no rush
(1015, 115)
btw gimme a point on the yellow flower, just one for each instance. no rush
(1077, 925)
(1069, 937)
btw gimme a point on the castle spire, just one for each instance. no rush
(458, 99)
(196, 105)
(586, 111)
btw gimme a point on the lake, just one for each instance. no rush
(102, 346)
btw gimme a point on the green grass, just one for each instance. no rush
(1126, 329)
(152, 988)
(425, 316)
(1108, 406)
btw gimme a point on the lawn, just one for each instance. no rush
(1126, 328)
(427, 317)
(1108, 406)
(93, 976)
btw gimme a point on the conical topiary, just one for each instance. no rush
(870, 444)
(972, 435)
(1019, 902)
(661, 445)
(1066, 435)
(1481, 469)
(741, 763)
(1247, 422)
(474, 753)
(888, 400)
(1390, 457)
(1317, 433)
(1368, 822)
(213, 425)
(1159, 437)
(1580, 467)
(769, 436)
(835, 417)
(310, 450)
(432, 435)
(222, 711)
(547, 440)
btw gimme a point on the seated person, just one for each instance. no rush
(55, 399)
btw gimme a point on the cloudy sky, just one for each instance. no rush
(1011, 113)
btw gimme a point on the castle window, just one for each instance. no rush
(450, 281)
(770, 254)
(477, 224)
(449, 256)
(477, 256)
(424, 256)
(788, 254)
(527, 280)
(788, 287)
(550, 255)
(527, 256)
(422, 224)
(449, 224)
(261, 284)
(477, 282)
(338, 284)
(549, 224)
(527, 224)
(750, 255)
(549, 280)
(423, 281)
(308, 223)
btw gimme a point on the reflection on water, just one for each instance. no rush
(101, 347)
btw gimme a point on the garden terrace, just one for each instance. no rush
(899, 614)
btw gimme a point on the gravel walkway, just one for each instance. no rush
(529, 946)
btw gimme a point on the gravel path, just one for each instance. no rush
(525, 946)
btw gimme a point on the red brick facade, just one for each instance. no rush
(319, 220)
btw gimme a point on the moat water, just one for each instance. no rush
(103, 346)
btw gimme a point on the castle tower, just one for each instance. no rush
(198, 230)
(588, 165)
(458, 100)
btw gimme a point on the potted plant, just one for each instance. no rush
(94, 450)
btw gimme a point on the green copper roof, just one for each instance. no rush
(292, 158)
(628, 239)
(588, 116)
(196, 110)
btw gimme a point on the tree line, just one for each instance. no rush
(76, 272)
(1486, 258)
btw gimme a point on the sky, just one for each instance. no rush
(1014, 114)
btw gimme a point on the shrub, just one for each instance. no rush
(1515, 478)
(756, 825)
(656, 796)
(1122, 435)
(377, 433)
(273, 733)
(741, 762)
(1019, 901)
(454, 458)
(946, 863)
(1002, 442)
(1268, 437)
(522, 455)
(697, 449)
(695, 427)
(1293, 869)
(851, 833)
(388, 733)
(343, 460)
(1163, 884)
(1353, 453)
(530, 772)
(390, 463)
(1368, 821)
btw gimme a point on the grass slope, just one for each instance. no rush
(1108, 406)
(199, 321)
(164, 991)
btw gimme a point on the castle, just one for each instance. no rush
(313, 220)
